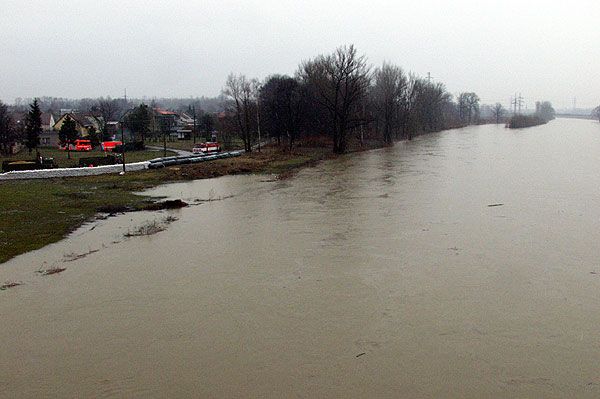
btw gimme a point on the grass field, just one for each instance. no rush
(61, 157)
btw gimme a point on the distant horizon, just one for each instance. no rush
(147, 99)
(159, 51)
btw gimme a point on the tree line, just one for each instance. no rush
(341, 98)
(337, 99)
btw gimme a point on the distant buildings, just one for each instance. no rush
(176, 125)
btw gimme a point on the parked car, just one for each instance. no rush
(210, 147)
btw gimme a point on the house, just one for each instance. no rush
(84, 122)
(48, 137)
(171, 123)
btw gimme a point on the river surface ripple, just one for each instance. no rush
(381, 274)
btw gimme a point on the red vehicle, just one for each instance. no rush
(210, 147)
(110, 145)
(83, 145)
(79, 145)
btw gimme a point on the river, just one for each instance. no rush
(383, 274)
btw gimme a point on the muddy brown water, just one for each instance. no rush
(382, 274)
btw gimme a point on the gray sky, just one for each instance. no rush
(187, 48)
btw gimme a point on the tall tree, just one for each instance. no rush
(240, 92)
(139, 121)
(208, 125)
(94, 137)
(340, 82)
(33, 126)
(105, 110)
(7, 132)
(544, 110)
(68, 134)
(387, 94)
(497, 112)
(468, 107)
(282, 103)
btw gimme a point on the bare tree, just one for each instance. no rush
(105, 110)
(340, 82)
(468, 104)
(544, 110)
(281, 101)
(240, 91)
(498, 111)
(387, 95)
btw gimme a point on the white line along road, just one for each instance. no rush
(72, 172)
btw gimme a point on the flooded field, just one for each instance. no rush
(461, 264)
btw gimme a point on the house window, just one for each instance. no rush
(45, 140)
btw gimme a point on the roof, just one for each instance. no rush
(19, 117)
(164, 112)
(47, 118)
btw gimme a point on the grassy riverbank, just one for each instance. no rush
(35, 213)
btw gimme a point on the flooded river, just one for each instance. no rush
(383, 274)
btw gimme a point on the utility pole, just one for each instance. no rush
(520, 102)
(513, 104)
(194, 132)
(168, 129)
(123, 147)
(429, 78)
(121, 122)
(258, 118)
(517, 102)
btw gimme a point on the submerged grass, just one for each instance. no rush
(34, 213)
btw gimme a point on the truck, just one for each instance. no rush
(109, 146)
(78, 145)
(209, 147)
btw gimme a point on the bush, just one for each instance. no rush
(135, 146)
(97, 161)
(519, 121)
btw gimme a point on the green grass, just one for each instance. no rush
(61, 157)
(34, 213)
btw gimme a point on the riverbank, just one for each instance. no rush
(36, 213)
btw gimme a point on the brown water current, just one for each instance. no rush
(384, 274)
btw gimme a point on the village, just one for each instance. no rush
(92, 125)
(75, 138)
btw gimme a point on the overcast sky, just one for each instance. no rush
(187, 48)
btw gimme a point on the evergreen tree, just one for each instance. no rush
(7, 133)
(139, 121)
(68, 134)
(33, 126)
(94, 137)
